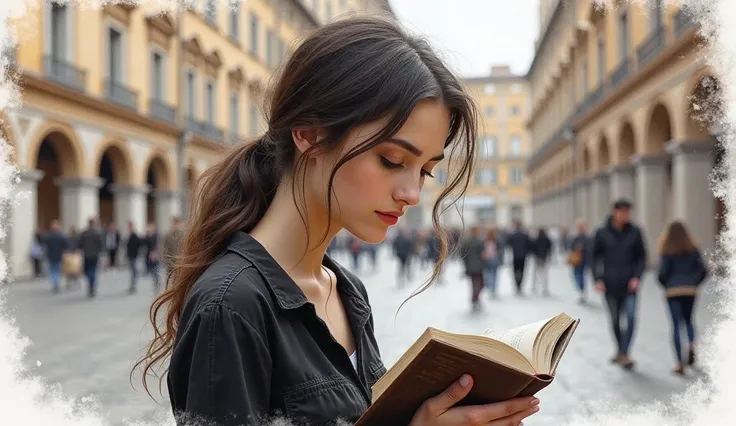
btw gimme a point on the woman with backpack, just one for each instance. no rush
(681, 271)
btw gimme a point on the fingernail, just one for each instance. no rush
(535, 409)
(464, 380)
(534, 401)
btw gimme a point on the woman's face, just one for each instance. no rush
(374, 189)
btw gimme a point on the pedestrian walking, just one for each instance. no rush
(91, 243)
(56, 245)
(152, 255)
(521, 247)
(578, 258)
(404, 247)
(132, 250)
(618, 262)
(492, 257)
(542, 249)
(257, 311)
(112, 243)
(473, 249)
(681, 272)
(37, 254)
(72, 260)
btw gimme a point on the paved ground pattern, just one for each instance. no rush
(88, 346)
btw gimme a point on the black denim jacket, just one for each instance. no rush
(250, 347)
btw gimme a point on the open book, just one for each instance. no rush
(504, 365)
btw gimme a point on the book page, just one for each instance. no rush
(520, 338)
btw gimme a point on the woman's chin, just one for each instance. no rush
(369, 235)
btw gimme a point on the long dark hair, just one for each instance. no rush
(345, 74)
(676, 240)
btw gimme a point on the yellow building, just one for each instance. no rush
(613, 93)
(124, 107)
(498, 191)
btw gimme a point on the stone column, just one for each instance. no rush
(167, 206)
(583, 195)
(602, 197)
(694, 202)
(22, 224)
(80, 200)
(651, 176)
(129, 203)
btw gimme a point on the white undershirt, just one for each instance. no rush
(354, 360)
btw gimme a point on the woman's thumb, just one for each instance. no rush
(454, 393)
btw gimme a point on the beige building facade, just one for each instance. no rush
(622, 106)
(499, 190)
(124, 107)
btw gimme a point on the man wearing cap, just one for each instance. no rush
(618, 262)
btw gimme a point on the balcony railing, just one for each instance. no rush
(163, 112)
(652, 47)
(683, 22)
(119, 94)
(205, 130)
(621, 73)
(64, 73)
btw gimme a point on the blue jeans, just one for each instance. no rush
(579, 275)
(55, 274)
(617, 305)
(681, 309)
(90, 271)
(490, 278)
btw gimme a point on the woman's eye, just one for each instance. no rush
(390, 164)
(427, 174)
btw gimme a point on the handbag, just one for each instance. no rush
(575, 258)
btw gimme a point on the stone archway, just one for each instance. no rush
(56, 159)
(114, 167)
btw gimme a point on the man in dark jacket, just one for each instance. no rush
(521, 246)
(133, 247)
(92, 243)
(56, 245)
(618, 262)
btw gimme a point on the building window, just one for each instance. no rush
(235, 20)
(442, 177)
(515, 110)
(115, 55)
(655, 16)
(254, 35)
(489, 89)
(210, 11)
(190, 94)
(623, 42)
(489, 111)
(210, 102)
(488, 147)
(486, 176)
(515, 177)
(253, 119)
(234, 119)
(486, 214)
(269, 48)
(58, 31)
(157, 76)
(515, 146)
(601, 60)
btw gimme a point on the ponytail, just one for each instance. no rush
(231, 196)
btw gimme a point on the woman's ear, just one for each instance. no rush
(305, 138)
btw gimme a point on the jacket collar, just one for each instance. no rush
(284, 289)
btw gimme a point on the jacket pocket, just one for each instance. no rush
(324, 402)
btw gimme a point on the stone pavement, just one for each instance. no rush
(88, 346)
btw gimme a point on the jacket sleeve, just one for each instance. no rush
(595, 257)
(220, 370)
(664, 270)
(640, 256)
(701, 272)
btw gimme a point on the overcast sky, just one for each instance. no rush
(475, 34)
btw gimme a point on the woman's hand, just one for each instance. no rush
(439, 411)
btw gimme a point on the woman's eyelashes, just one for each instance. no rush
(391, 165)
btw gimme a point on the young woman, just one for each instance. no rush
(681, 271)
(492, 256)
(259, 322)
